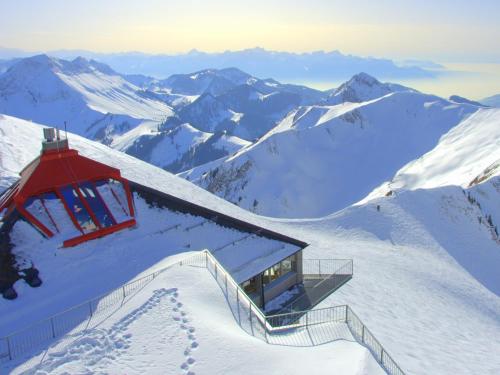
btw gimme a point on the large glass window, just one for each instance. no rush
(59, 214)
(288, 264)
(114, 195)
(36, 207)
(279, 269)
(96, 205)
(250, 286)
(78, 209)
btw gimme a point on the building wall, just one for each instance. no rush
(287, 281)
(279, 285)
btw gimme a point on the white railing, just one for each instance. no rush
(253, 321)
(248, 315)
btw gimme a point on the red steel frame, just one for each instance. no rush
(68, 210)
(86, 205)
(98, 195)
(49, 215)
(43, 175)
(102, 231)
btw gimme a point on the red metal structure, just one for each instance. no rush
(61, 184)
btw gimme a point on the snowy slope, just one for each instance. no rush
(462, 154)
(21, 136)
(492, 101)
(152, 334)
(243, 111)
(179, 148)
(229, 103)
(323, 158)
(94, 100)
(21, 144)
(425, 276)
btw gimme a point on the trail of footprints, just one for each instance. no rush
(100, 343)
(180, 316)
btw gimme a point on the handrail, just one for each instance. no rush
(269, 329)
(364, 330)
(334, 273)
(347, 313)
(240, 289)
(98, 297)
(302, 312)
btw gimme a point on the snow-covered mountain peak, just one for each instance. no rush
(363, 87)
(94, 100)
(44, 63)
(235, 75)
(83, 65)
(364, 79)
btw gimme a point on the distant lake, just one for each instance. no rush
(473, 81)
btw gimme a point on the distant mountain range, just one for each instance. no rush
(320, 65)
(176, 123)
(324, 157)
(276, 149)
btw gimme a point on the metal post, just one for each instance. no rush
(123, 293)
(319, 266)
(307, 319)
(251, 321)
(53, 329)
(238, 303)
(90, 308)
(363, 333)
(382, 356)
(8, 348)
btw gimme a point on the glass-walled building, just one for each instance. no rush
(274, 280)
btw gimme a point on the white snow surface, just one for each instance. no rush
(86, 95)
(181, 323)
(321, 159)
(461, 155)
(426, 278)
(173, 145)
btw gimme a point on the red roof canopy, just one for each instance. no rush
(60, 167)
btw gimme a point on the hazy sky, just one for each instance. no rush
(440, 30)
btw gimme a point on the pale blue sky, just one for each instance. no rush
(440, 30)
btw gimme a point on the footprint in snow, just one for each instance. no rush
(180, 316)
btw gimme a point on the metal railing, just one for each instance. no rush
(20, 342)
(321, 278)
(365, 337)
(248, 315)
(325, 267)
(252, 319)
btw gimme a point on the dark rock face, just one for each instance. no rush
(10, 294)
(9, 272)
(31, 277)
